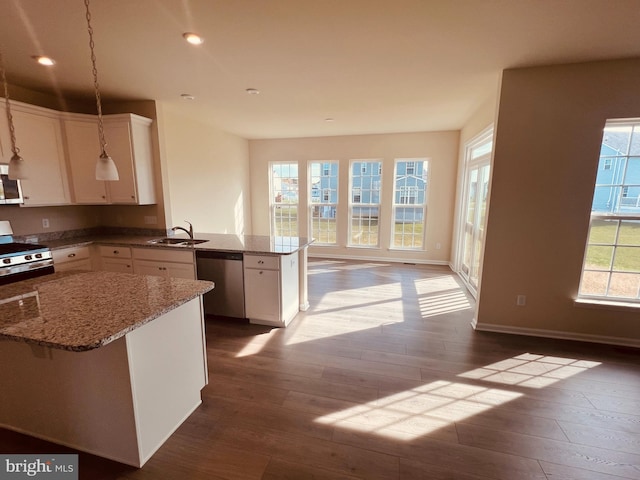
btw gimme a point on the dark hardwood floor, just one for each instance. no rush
(384, 378)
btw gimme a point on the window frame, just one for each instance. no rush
(324, 172)
(275, 205)
(597, 244)
(376, 185)
(408, 196)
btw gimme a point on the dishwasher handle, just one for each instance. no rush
(218, 255)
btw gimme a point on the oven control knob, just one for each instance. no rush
(38, 255)
(28, 257)
(6, 260)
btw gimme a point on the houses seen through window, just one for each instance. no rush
(284, 199)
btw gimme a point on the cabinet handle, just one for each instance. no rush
(104, 196)
(260, 262)
(26, 197)
(133, 197)
(116, 252)
(260, 272)
(71, 255)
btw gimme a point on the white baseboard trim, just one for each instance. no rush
(538, 332)
(379, 259)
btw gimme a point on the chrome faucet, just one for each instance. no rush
(189, 232)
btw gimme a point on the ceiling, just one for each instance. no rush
(373, 66)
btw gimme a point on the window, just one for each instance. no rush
(410, 168)
(410, 184)
(611, 268)
(364, 210)
(284, 199)
(323, 201)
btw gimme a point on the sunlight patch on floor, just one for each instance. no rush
(419, 411)
(422, 410)
(444, 303)
(530, 370)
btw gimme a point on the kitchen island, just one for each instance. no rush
(103, 362)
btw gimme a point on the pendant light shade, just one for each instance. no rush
(105, 166)
(17, 168)
(17, 165)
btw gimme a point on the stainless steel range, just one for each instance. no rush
(20, 261)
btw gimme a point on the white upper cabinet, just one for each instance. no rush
(83, 149)
(40, 140)
(128, 138)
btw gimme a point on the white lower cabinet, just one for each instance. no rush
(115, 259)
(271, 288)
(164, 262)
(72, 258)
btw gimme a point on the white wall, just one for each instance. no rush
(441, 148)
(206, 173)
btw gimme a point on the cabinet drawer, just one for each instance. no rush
(83, 264)
(264, 262)
(163, 254)
(114, 252)
(70, 254)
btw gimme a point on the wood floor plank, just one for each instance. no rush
(563, 472)
(281, 470)
(451, 457)
(304, 450)
(625, 465)
(602, 437)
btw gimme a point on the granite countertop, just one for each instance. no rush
(257, 244)
(82, 311)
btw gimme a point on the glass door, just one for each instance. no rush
(476, 188)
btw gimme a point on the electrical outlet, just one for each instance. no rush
(45, 223)
(438, 246)
(521, 300)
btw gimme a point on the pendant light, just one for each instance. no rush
(17, 165)
(105, 166)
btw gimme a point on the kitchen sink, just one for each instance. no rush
(176, 241)
(193, 241)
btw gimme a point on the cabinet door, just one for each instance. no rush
(181, 270)
(39, 138)
(83, 149)
(5, 139)
(119, 147)
(149, 268)
(121, 265)
(262, 294)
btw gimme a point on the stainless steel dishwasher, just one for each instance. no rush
(225, 270)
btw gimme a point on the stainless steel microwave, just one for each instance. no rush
(10, 190)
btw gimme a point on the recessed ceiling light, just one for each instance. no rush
(193, 38)
(187, 96)
(252, 91)
(42, 60)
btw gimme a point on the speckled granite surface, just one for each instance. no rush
(82, 311)
(258, 244)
